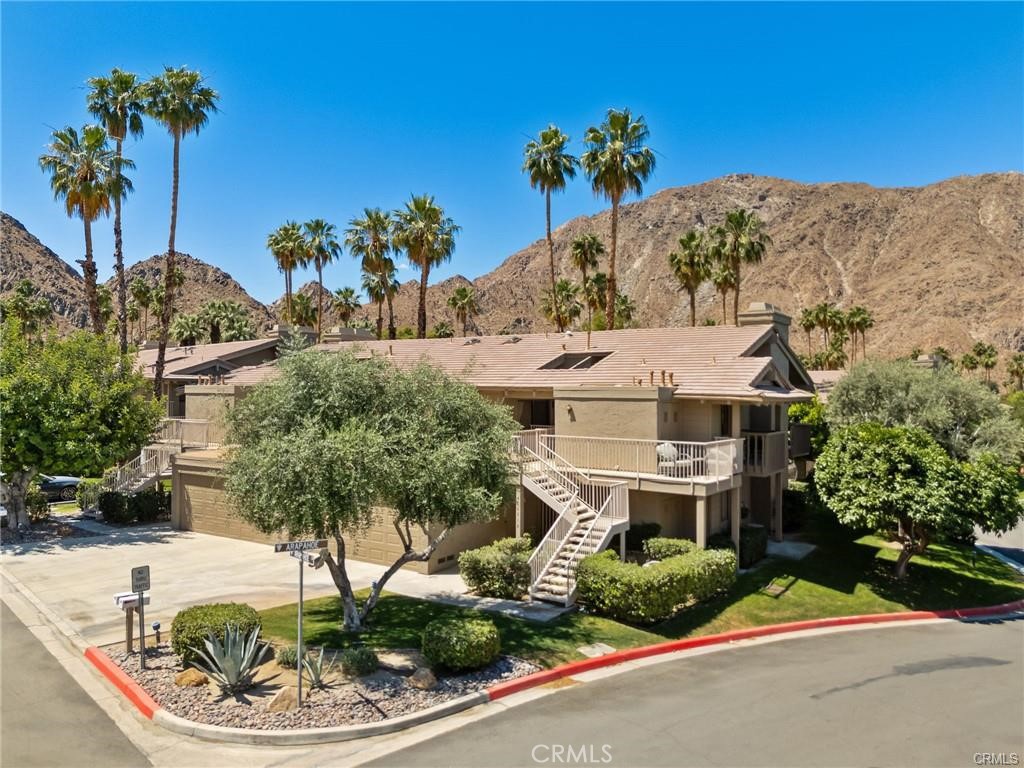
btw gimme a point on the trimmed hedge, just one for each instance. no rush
(661, 548)
(651, 593)
(753, 543)
(149, 505)
(113, 505)
(357, 662)
(498, 570)
(36, 505)
(191, 625)
(458, 643)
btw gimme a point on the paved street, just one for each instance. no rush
(918, 695)
(47, 719)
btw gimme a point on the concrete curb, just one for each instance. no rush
(132, 690)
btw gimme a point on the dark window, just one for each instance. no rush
(725, 421)
(542, 413)
(575, 360)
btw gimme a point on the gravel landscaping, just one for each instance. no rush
(369, 699)
(50, 529)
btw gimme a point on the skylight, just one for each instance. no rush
(575, 361)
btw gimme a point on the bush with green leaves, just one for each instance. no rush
(357, 662)
(192, 625)
(113, 505)
(662, 548)
(457, 643)
(231, 660)
(654, 592)
(500, 569)
(149, 505)
(88, 494)
(36, 505)
(753, 543)
(287, 656)
(813, 415)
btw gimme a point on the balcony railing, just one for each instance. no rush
(186, 433)
(765, 452)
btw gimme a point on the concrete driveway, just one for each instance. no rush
(77, 577)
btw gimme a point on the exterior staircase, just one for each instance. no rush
(589, 513)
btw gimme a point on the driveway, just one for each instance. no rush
(934, 694)
(77, 577)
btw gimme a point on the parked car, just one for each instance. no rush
(58, 487)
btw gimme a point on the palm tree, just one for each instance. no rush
(1015, 369)
(823, 318)
(562, 305)
(807, 323)
(345, 304)
(595, 295)
(187, 330)
(618, 162)
(691, 266)
(549, 165)
(987, 358)
(105, 299)
(304, 313)
(442, 330)
(288, 247)
(463, 301)
(219, 314)
(585, 252)
(179, 100)
(428, 238)
(142, 294)
(86, 175)
(724, 280)
(968, 363)
(370, 239)
(117, 102)
(32, 310)
(866, 323)
(625, 309)
(745, 243)
(375, 284)
(159, 292)
(237, 328)
(323, 248)
(133, 314)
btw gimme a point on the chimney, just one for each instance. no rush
(762, 313)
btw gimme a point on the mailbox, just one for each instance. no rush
(126, 600)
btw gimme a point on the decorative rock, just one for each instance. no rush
(423, 679)
(190, 678)
(401, 661)
(284, 700)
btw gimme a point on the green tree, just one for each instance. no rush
(142, 294)
(442, 330)
(87, 175)
(370, 239)
(177, 280)
(968, 363)
(218, 315)
(322, 248)
(691, 266)
(105, 300)
(724, 280)
(303, 310)
(617, 161)
(288, 247)
(562, 305)
(463, 302)
(813, 415)
(428, 238)
(943, 355)
(32, 310)
(237, 327)
(134, 316)
(72, 405)
(316, 449)
(179, 100)
(1015, 369)
(345, 304)
(549, 165)
(586, 252)
(187, 330)
(746, 242)
(987, 358)
(117, 101)
(377, 286)
(625, 310)
(808, 322)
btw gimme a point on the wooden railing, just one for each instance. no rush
(765, 452)
(671, 459)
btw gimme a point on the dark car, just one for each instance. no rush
(58, 487)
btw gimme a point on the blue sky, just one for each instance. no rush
(327, 108)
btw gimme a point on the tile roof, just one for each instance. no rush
(184, 358)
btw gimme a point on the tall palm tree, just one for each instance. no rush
(179, 100)
(86, 174)
(586, 251)
(288, 247)
(746, 242)
(105, 299)
(625, 309)
(724, 280)
(594, 290)
(691, 266)
(345, 304)
(219, 314)
(304, 313)
(133, 315)
(562, 305)
(428, 238)
(968, 363)
(823, 318)
(618, 162)
(463, 301)
(375, 285)
(323, 248)
(142, 294)
(187, 330)
(807, 323)
(370, 239)
(33, 310)
(987, 358)
(549, 165)
(865, 323)
(1015, 369)
(117, 101)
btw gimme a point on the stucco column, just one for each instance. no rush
(702, 521)
(734, 520)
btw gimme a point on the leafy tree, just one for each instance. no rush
(586, 252)
(159, 292)
(562, 306)
(746, 242)
(345, 304)
(943, 355)
(322, 248)
(134, 316)
(187, 330)
(962, 415)
(333, 437)
(691, 266)
(237, 327)
(1015, 402)
(428, 238)
(117, 101)
(617, 161)
(72, 405)
(32, 310)
(288, 247)
(813, 415)
(179, 100)
(463, 302)
(87, 176)
(594, 291)
(549, 166)
(370, 239)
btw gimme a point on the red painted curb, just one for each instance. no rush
(132, 690)
(574, 667)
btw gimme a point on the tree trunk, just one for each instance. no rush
(725, 317)
(421, 316)
(609, 312)
(693, 308)
(551, 253)
(168, 306)
(319, 298)
(392, 331)
(89, 273)
(408, 556)
(351, 621)
(144, 331)
(380, 320)
(18, 490)
(903, 561)
(736, 292)
(809, 351)
(122, 299)
(465, 322)
(288, 295)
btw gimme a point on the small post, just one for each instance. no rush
(298, 660)
(142, 631)
(129, 629)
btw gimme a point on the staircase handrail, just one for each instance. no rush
(544, 442)
(560, 477)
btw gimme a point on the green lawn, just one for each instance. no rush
(850, 573)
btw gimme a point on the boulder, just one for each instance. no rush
(401, 661)
(190, 678)
(284, 700)
(423, 679)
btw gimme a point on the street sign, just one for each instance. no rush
(300, 546)
(140, 578)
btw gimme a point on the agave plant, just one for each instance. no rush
(315, 669)
(231, 664)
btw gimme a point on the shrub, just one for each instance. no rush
(113, 505)
(753, 543)
(149, 505)
(660, 548)
(460, 643)
(287, 656)
(231, 662)
(88, 494)
(36, 505)
(358, 662)
(316, 669)
(499, 570)
(192, 625)
(646, 594)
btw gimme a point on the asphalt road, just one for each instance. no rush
(46, 719)
(923, 695)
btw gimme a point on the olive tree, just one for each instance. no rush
(338, 439)
(70, 406)
(899, 478)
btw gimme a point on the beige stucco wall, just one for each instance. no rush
(609, 412)
(212, 402)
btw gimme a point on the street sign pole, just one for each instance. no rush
(299, 657)
(142, 632)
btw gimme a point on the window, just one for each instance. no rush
(575, 361)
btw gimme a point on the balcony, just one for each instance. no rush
(184, 433)
(765, 453)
